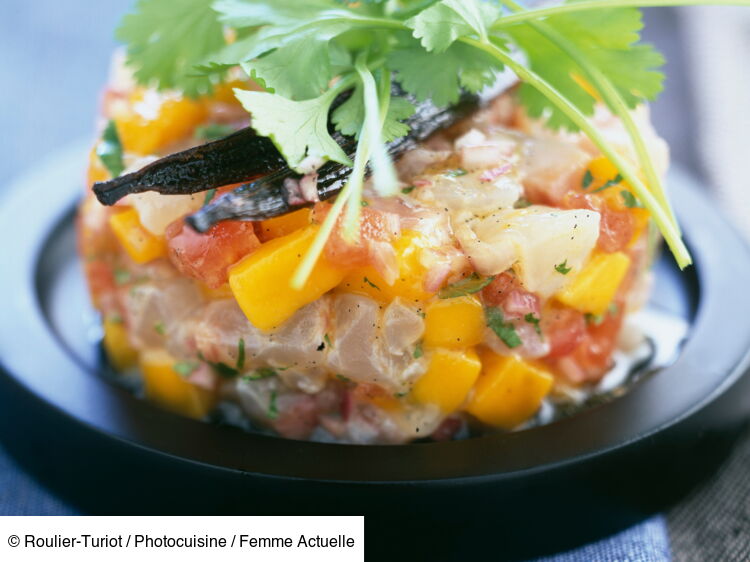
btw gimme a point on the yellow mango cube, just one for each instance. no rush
(408, 285)
(509, 391)
(150, 122)
(595, 286)
(285, 224)
(457, 322)
(141, 245)
(117, 344)
(448, 379)
(261, 281)
(168, 389)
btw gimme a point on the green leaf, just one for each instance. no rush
(439, 26)
(166, 39)
(563, 268)
(629, 199)
(440, 77)
(260, 374)
(213, 132)
(418, 352)
(273, 408)
(185, 368)
(298, 128)
(210, 194)
(608, 39)
(506, 331)
(109, 150)
(468, 286)
(349, 117)
(531, 319)
(241, 354)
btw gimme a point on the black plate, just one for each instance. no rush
(519, 494)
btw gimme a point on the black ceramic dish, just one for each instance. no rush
(514, 495)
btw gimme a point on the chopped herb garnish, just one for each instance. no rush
(457, 173)
(421, 313)
(364, 203)
(614, 181)
(122, 276)
(400, 394)
(160, 328)
(241, 355)
(613, 309)
(408, 190)
(418, 352)
(522, 203)
(212, 132)
(109, 150)
(116, 319)
(594, 319)
(221, 369)
(260, 374)
(328, 341)
(531, 319)
(343, 378)
(185, 368)
(506, 331)
(371, 284)
(273, 409)
(472, 284)
(563, 268)
(587, 179)
(629, 199)
(210, 194)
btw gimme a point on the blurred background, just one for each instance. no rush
(54, 58)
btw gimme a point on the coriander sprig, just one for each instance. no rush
(306, 52)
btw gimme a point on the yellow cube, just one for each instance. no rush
(141, 245)
(448, 379)
(409, 284)
(285, 224)
(509, 391)
(595, 286)
(117, 345)
(260, 282)
(457, 322)
(170, 390)
(151, 122)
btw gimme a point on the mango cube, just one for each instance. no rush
(409, 284)
(509, 391)
(171, 391)
(595, 286)
(260, 282)
(283, 225)
(448, 379)
(141, 245)
(456, 323)
(117, 345)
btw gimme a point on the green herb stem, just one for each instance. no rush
(535, 14)
(614, 100)
(661, 217)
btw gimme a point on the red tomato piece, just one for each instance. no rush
(339, 251)
(616, 230)
(594, 354)
(564, 329)
(208, 256)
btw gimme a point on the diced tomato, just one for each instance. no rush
(564, 329)
(507, 292)
(100, 278)
(208, 256)
(341, 252)
(616, 228)
(594, 354)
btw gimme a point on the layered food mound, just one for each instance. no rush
(498, 280)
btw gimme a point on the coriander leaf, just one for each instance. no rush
(110, 151)
(349, 117)
(210, 194)
(531, 319)
(298, 128)
(609, 183)
(160, 329)
(241, 354)
(214, 131)
(408, 190)
(250, 13)
(563, 268)
(185, 368)
(371, 284)
(608, 38)
(439, 26)
(166, 39)
(587, 179)
(506, 331)
(343, 378)
(260, 374)
(468, 286)
(273, 408)
(440, 77)
(122, 276)
(418, 352)
(629, 199)
(221, 369)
